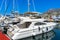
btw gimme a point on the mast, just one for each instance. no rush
(1, 5)
(13, 4)
(28, 5)
(5, 6)
(16, 5)
(12, 11)
(33, 5)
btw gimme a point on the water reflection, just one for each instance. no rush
(58, 26)
(44, 36)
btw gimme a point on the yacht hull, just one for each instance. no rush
(30, 32)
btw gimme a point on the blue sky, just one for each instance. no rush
(21, 5)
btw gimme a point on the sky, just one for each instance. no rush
(22, 5)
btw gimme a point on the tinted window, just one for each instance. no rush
(39, 23)
(12, 17)
(24, 25)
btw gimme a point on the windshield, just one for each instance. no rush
(24, 25)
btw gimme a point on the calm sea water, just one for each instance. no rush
(52, 35)
(57, 34)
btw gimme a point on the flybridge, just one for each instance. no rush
(34, 20)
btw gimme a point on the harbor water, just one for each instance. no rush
(52, 35)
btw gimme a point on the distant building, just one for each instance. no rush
(52, 14)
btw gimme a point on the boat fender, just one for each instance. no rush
(5, 30)
(46, 37)
(47, 28)
(42, 34)
(42, 31)
(33, 37)
(39, 28)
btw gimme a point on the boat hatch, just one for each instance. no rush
(24, 25)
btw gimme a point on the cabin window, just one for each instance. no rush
(14, 23)
(39, 23)
(46, 21)
(24, 25)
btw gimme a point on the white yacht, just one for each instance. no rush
(29, 27)
(45, 36)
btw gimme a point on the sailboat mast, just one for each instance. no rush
(13, 4)
(1, 5)
(5, 6)
(28, 5)
(33, 5)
